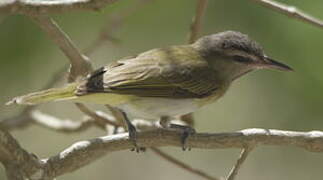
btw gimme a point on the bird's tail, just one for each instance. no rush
(54, 94)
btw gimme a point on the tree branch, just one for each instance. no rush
(18, 162)
(243, 156)
(23, 119)
(85, 152)
(197, 20)
(19, 121)
(183, 165)
(69, 160)
(116, 21)
(290, 11)
(50, 6)
(80, 65)
(101, 120)
(66, 126)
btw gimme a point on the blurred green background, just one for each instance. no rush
(264, 99)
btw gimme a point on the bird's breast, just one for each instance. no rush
(154, 108)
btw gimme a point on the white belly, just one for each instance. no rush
(154, 108)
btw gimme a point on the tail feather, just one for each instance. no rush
(54, 94)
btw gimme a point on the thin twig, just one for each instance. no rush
(101, 120)
(113, 25)
(290, 11)
(53, 123)
(116, 114)
(195, 29)
(80, 65)
(243, 156)
(197, 20)
(182, 165)
(105, 35)
(57, 77)
(23, 119)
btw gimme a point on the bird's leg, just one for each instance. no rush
(132, 133)
(186, 130)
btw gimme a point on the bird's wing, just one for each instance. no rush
(150, 77)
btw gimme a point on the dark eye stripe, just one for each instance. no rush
(241, 59)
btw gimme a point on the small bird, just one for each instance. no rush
(166, 82)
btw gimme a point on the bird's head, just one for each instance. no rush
(233, 54)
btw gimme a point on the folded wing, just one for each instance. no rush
(153, 77)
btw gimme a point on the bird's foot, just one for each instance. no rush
(132, 134)
(133, 138)
(186, 132)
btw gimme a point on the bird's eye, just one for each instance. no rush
(241, 59)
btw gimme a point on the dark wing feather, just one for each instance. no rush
(149, 77)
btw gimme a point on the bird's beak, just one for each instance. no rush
(269, 63)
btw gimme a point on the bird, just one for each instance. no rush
(166, 82)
